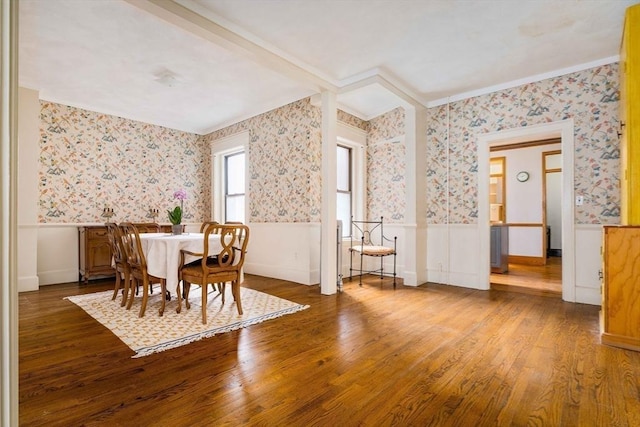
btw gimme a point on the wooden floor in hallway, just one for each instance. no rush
(545, 280)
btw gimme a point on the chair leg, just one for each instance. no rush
(186, 287)
(145, 296)
(117, 286)
(204, 303)
(127, 288)
(235, 289)
(361, 260)
(394, 271)
(350, 265)
(134, 284)
(163, 291)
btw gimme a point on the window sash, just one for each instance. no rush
(344, 197)
(234, 185)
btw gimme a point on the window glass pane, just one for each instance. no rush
(343, 169)
(235, 208)
(343, 204)
(235, 174)
(553, 161)
(495, 166)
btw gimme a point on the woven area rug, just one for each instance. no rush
(152, 333)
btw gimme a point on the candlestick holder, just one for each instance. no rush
(107, 212)
(153, 213)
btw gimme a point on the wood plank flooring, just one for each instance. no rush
(434, 355)
(544, 280)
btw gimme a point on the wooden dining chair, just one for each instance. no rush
(240, 235)
(212, 258)
(123, 272)
(138, 268)
(206, 224)
(228, 267)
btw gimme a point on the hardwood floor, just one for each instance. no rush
(545, 280)
(432, 355)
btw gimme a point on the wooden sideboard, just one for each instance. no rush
(95, 251)
(620, 315)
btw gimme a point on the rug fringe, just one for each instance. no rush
(146, 351)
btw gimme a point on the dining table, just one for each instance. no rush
(162, 253)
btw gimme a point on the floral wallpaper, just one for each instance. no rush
(386, 181)
(285, 163)
(89, 161)
(590, 97)
(354, 121)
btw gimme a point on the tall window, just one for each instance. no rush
(229, 194)
(344, 198)
(234, 187)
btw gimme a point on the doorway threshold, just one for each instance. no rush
(503, 287)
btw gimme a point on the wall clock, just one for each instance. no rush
(522, 176)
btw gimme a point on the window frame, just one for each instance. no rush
(220, 150)
(355, 139)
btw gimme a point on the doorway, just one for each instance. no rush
(561, 129)
(527, 212)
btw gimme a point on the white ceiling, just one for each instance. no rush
(160, 62)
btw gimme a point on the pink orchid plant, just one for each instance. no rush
(175, 216)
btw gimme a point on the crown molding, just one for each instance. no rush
(523, 81)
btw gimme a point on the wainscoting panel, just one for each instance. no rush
(58, 253)
(588, 263)
(289, 251)
(452, 255)
(27, 258)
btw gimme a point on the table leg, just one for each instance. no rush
(163, 293)
(179, 293)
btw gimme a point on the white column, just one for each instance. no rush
(415, 246)
(28, 153)
(8, 213)
(328, 240)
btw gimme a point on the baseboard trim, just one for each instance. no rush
(526, 260)
(554, 252)
(620, 341)
(55, 277)
(28, 283)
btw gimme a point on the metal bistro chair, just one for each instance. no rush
(370, 241)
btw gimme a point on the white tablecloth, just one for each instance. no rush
(162, 252)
